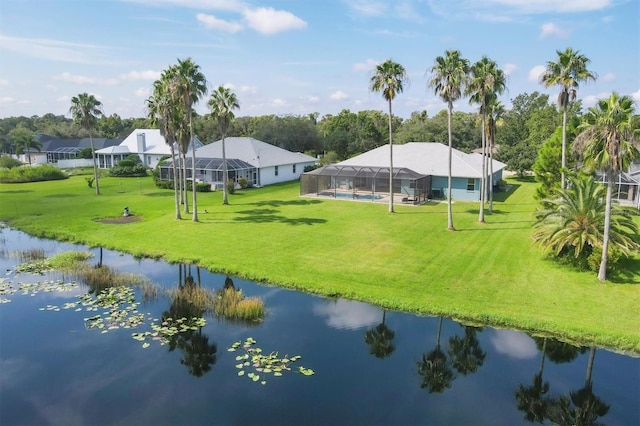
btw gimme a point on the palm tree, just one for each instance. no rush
(568, 72)
(85, 110)
(465, 353)
(435, 368)
(162, 113)
(191, 85)
(24, 140)
(389, 79)
(222, 103)
(449, 77)
(575, 222)
(608, 135)
(380, 339)
(495, 111)
(485, 83)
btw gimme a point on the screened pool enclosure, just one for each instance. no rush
(211, 170)
(365, 183)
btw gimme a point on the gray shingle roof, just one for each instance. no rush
(427, 158)
(253, 151)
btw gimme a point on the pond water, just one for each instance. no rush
(371, 367)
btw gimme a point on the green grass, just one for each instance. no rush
(486, 273)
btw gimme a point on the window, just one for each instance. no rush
(276, 170)
(294, 169)
(471, 184)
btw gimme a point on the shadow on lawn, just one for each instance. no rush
(270, 216)
(159, 194)
(60, 196)
(17, 191)
(277, 203)
(627, 272)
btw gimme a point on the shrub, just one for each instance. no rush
(125, 163)
(244, 183)
(203, 187)
(137, 170)
(7, 162)
(31, 174)
(231, 187)
(231, 304)
(596, 256)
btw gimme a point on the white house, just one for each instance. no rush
(419, 167)
(259, 162)
(148, 144)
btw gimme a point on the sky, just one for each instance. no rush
(295, 57)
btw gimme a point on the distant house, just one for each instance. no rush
(420, 171)
(148, 144)
(56, 149)
(258, 162)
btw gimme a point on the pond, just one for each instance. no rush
(370, 367)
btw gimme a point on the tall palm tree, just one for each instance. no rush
(608, 135)
(191, 85)
(380, 339)
(222, 103)
(449, 76)
(495, 111)
(389, 79)
(575, 222)
(435, 368)
(162, 113)
(568, 72)
(486, 82)
(85, 110)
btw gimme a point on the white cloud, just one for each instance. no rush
(278, 102)
(550, 29)
(143, 92)
(591, 100)
(7, 100)
(346, 314)
(214, 23)
(536, 72)
(338, 96)
(636, 95)
(229, 86)
(4, 82)
(267, 20)
(368, 7)
(312, 99)
(141, 75)
(609, 77)
(75, 79)
(48, 49)
(64, 98)
(548, 6)
(367, 65)
(514, 344)
(248, 89)
(509, 68)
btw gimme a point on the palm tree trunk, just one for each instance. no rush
(592, 355)
(564, 146)
(390, 162)
(483, 180)
(193, 171)
(544, 350)
(176, 187)
(439, 331)
(95, 165)
(490, 159)
(185, 187)
(449, 212)
(602, 273)
(225, 175)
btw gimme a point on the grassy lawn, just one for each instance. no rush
(485, 273)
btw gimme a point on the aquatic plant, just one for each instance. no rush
(163, 331)
(260, 364)
(232, 304)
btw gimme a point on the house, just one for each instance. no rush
(55, 150)
(258, 162)
(420, 171)
(148, 144)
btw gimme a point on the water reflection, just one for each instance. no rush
(380, 339)
(475, 375)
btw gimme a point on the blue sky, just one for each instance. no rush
(299, 56)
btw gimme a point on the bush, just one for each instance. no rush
(7, 162)
(203, 187)
(231, 187)
(137, 170)
(125, 163)
(244, 183)
(596, 256)
(31, 174)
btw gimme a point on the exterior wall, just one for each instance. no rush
(458, 188)
(78, 162)
(285, 173)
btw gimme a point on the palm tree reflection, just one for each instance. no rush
(435, 368)
(380, 339)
